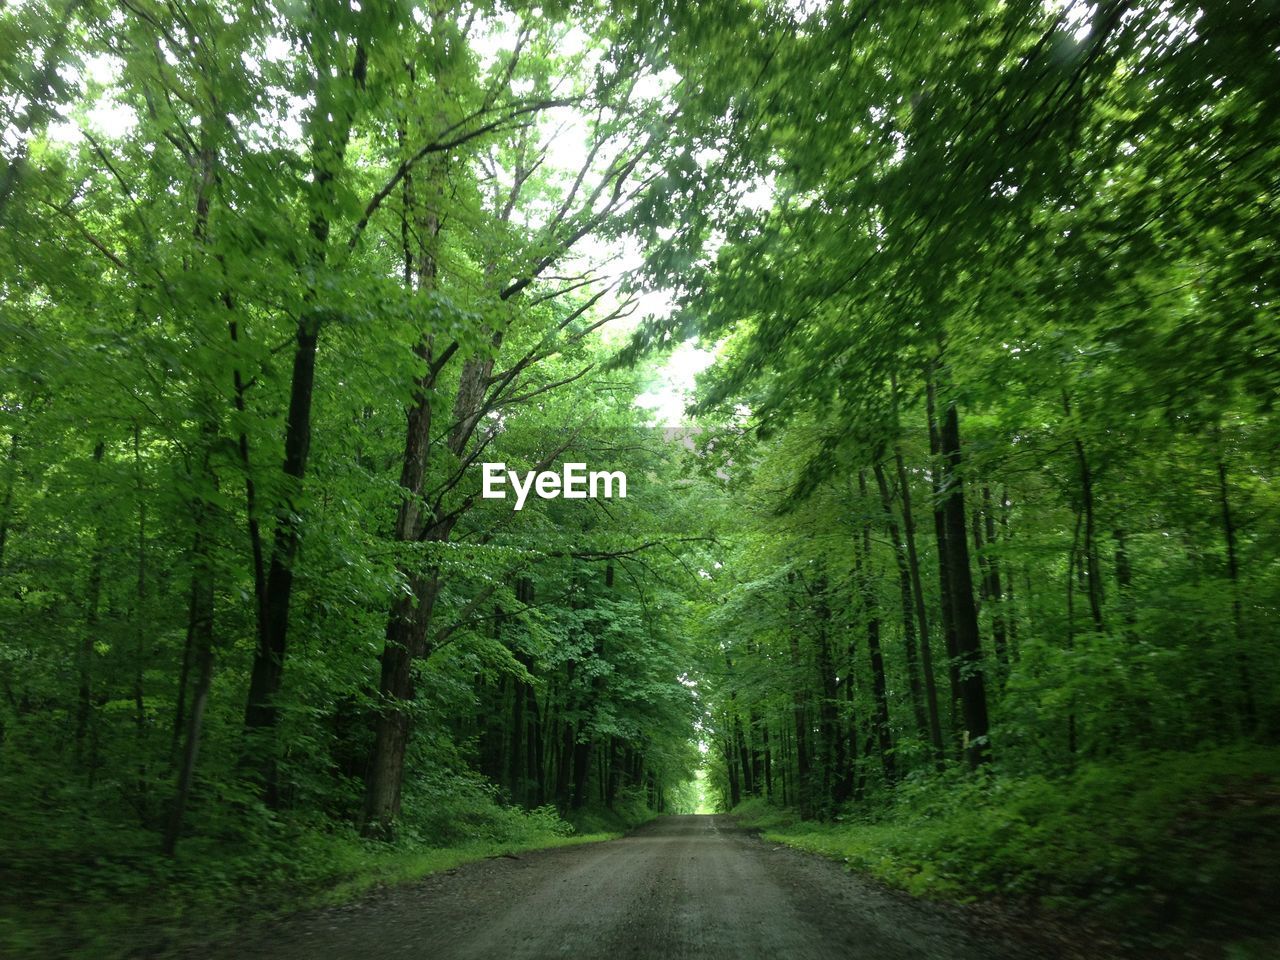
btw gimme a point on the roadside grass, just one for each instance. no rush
(1165, 847)
(408, 866)
(103, 895)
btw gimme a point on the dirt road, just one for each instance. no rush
(680, 887)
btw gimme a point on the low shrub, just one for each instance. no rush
(1164, 845)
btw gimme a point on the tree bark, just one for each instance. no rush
(261, 711)
(936, 472)
(828, 708)
(328, 152)
(1011, 618)
(1249, 711)
(1124, 575)
(908, 616)
(800, 791)
(1090, 568)
(516, 762)
(879, 687)
(6, 506)
(535, 755)
(768, 762)
(999, 632)
(973, 694)
(140, 616)
(93, 599)
(582, 751)
(1072, 563)
(744, 757)
(917, 592)
(200, 634)
(405, 643)
(410, 616)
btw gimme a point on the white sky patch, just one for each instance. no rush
(656, 85)
(674, 389)
(1079, 19)
(276, 49)
(760, 195)
(104, 115)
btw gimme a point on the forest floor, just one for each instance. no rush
(677, 887)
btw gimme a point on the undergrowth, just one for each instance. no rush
(101, 892)
(1166, 848)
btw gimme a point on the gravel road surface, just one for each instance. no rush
(694, 887)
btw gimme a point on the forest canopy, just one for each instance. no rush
(974, 507)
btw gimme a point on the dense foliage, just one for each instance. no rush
(260, 327)
(976, 528)
(995, 402)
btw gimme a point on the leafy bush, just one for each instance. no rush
(101, 891)
(629, 810)
(1162, 845)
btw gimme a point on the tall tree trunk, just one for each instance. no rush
(535, 750)
(973, 694)
(788, 798)
(405, 644)
(328, 153)
(261, 711)
(908, 616)
(917, 592)
(800, 791)
(582, 751)
(744, 757)
(568, 735)
(768, 762)
(936, 472)
(516, 762)
(584, 746)
(988, 588)
(829, 707)
(731, 764)
(613, 775)
(999, 632)
(1090, 567)
(802, 786)
(1072, 563)
(410, 617)
(1124, 575)
(184, 678)
(140, 629)
(409, 625)
(200, 634)
(6, 505)
(93, 600)
(758, 776)
(879, 687)
(847, 775)
(1248, 709)
(1011, 619)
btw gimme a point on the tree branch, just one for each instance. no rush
(440, 146)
